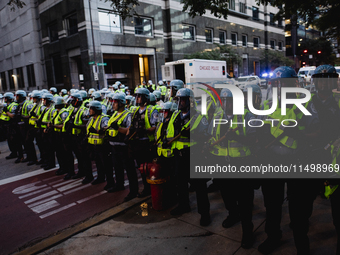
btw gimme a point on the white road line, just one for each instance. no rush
(79, 188)
(35, 192)
(44, 207)
(90, 197)
(51, 178)
(30, 174)
(45, 200)
(20, 189)
(53, 192)
(63, 183)
(57, 210)
(70, 186)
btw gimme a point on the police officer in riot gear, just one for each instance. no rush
(174, 86)
(187, 124)
(54, 92)
(140, 134)
(47, 138)
(7, 121)
(117, 128)
(99, 150)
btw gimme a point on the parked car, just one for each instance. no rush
(243, 81)
(337, 68)
(263, 83)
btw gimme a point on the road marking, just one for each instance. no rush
(51, 183)
(70, 186)
(51, 178)
(76, 189)
(63, 183)
(23, 188)
(53, 192)
(90, 197)
(35, 192)
(26, 175)
(57, 210)
(44, 207)
(45, 200)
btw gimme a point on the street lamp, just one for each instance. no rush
(319, 52)
(305, 51)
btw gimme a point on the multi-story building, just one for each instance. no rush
(85, 45)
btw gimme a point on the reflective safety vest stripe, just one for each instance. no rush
(70, 110)
(168, 152)
(163, 90)
(277, 129)
(24, 111)
(234, 148)
(119, 117)
(37, 110)
(4, 115)
(182, 142)
(157, 107)
(58, 120)
(85, 102)
(48, 115)
(78, 121)
(148, 112)
(94, 138)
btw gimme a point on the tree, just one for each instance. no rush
(222, 52)
(275, 59)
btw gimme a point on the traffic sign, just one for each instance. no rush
(95, 76)
(91, 63)
(101, 64)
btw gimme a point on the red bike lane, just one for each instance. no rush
(36, 207)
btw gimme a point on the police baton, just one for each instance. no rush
(224, 137)
(177, 136)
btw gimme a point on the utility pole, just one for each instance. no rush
(266, 37)
(93, 45)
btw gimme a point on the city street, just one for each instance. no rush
(38, 208)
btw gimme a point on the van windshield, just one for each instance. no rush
(302, 72)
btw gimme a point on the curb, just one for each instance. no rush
(78, 228)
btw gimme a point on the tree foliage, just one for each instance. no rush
(222, 52)
(275, 59)
(124, 8)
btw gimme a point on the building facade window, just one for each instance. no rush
(231, 4)
(279, 22)
(143, 26)
(57, 69)
(53, 32)
(20, 78)
(208, 35)
(244, 40)
(242, 7)
(271, 19)
(255, 13)
(3, 81)
(272, 44)
(234, 39)
(188, 32)
(279, 45)
(222, 36)
(30, 75)
(11, 79)
(71, 24)
(109, 22)
(256, 42)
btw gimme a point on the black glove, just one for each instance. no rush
(101, 131)
(5, 109)
(92, 130)
(114, 125)
(165, 144)
(185, 133)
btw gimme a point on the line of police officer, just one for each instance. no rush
(176, 131)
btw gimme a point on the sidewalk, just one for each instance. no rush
(160, 233)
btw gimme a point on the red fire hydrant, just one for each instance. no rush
(156, 181)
